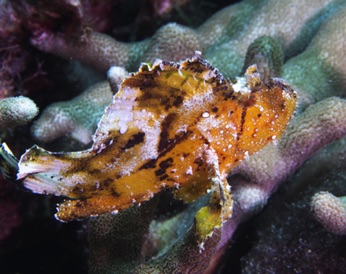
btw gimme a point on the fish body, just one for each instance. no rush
(181, 126)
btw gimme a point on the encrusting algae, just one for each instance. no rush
(171, 125)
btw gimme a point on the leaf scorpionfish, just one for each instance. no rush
(181, 126)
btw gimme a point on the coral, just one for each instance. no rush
(21, 68)
(330, 211)
(214, 37)
(171, 42)
(267, 53)
(182, 254)
(311, 36)
(97, 49)
(164, 7)
(174, 42)
(16, 111)
(120, 248)
(264, 18)
(115, 76)
(326, 55)
(76, 118)
(12, 57)
(285, 236)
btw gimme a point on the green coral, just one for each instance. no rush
(311, 36)
(224, 38)
(116, 241)
(15, 111)
(330, 211)
(310, 72)
(319, 71)
(267, 53)
(76, 118)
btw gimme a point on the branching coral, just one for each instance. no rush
(311, 37)
(267, 53)
(12, 57)
(215, 37)
(266, 18)
(330, 211)
(323, 61)
(77, 118)
(174, 42)
(16, 111)
(120, 248)
(284, 235)
(97, 50)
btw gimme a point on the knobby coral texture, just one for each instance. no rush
(301, 42)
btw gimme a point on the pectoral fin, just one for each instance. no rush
(212, 216)
(220, 204)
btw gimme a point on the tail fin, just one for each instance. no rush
(42, 171)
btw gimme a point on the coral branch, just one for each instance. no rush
(16, 111)
(76, 118)
(95, 49)
(319, 72)
(330, 211)
(302, 42)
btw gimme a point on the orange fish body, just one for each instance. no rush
(179, 126)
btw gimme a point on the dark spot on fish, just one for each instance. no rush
(78, 204)
(250, 102)
(77, 188)
(134, 140)
(163, 166)
(164, 177)
(199, 161)
(81, 203)
(165, 142)
(114, 193)
(178, 101)
(228, 95)
(178, 139)
(148, 165)
(214, 109)
(106, 182)
(94, 171)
